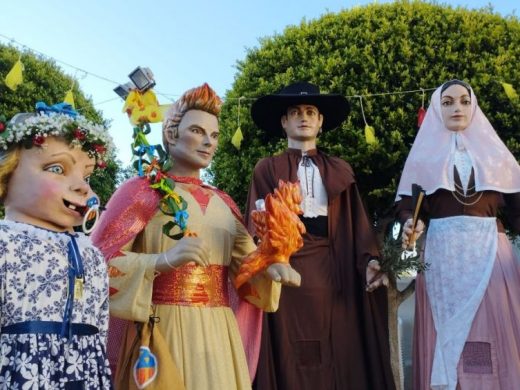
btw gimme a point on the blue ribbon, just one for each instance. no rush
(60, 108)
(75, 271)
(47, 327)
(148, 149)
(141, 150)
(140, 166)
(181, 217)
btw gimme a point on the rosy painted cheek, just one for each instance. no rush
(49, 190)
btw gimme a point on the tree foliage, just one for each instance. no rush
(45, 81)
(401, 46)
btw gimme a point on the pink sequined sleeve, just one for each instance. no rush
(128, 211)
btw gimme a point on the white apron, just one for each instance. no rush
(460, 252)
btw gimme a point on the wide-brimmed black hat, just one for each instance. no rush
(267, 111)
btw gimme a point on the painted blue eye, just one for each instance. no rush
(57, 169)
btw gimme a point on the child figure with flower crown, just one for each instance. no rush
(53, 281)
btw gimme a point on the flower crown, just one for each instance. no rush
(60, 120)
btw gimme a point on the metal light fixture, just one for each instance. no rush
(124, 89)
(142, 78)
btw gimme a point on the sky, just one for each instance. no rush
(184, 43)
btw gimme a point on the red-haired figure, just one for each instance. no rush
(183, 284)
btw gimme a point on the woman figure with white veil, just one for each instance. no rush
(467, 323)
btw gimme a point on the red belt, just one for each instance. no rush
(192, 285)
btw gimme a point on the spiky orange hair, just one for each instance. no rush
(201, 98)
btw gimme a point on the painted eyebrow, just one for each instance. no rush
(197, 127)
(203, 129)
(71, 157)
(451, 97)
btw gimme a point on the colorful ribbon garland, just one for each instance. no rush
(153, 163)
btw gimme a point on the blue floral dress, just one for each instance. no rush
(34, 289)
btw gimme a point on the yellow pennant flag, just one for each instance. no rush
(15, 76)
(510, 91)
(69, 98)
(370, 135)
(237, 138)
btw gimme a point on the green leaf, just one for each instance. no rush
(172, 226)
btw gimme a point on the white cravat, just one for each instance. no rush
(314, 195)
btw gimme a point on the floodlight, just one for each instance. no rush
(142, 78)
(124, 89)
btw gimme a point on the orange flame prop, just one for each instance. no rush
(279, 230)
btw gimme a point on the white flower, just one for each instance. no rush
(33, 349)
(31, 374)
(75, 363)
(23, 361)
(5, 381)
(5, 351)
(55, 345)
(54, 124)
(49, 366)
(44, 380)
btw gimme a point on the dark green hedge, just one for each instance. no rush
(376, 48)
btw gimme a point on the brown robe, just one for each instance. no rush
(329, 333)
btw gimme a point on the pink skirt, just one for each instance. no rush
(491, 356)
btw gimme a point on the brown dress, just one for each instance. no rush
(491, 355)
(329, 333)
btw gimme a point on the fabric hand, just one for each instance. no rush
(284, 273)
(375, 278)
(407, 232)
(187, 250)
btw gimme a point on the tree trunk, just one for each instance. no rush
(395, 298)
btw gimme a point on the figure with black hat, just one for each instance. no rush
(331, 332)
